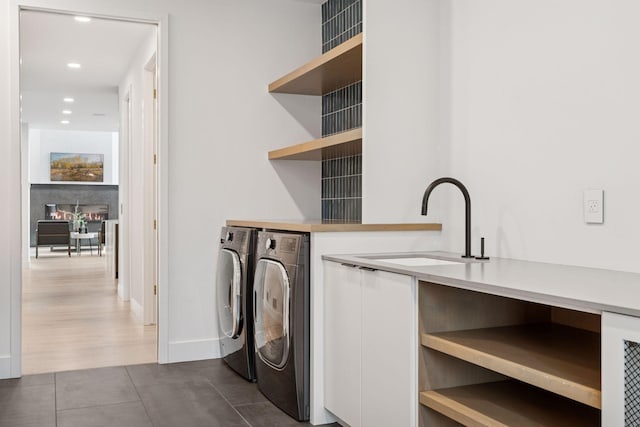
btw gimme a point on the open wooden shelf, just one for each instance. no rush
(508, 403)
(558, 358)
(332, 70)
(349, 141)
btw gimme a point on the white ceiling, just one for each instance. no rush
(105, 48)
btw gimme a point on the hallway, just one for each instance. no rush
(73, 319)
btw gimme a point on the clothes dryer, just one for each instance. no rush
(234, 288)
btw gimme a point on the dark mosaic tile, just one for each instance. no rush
(342, 109)
(341, 20)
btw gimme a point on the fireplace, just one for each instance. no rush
(63, 211)
(49, 200)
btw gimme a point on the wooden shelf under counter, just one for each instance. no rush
(508, 403)
(557, 358)
(339, 67)
(349, 141)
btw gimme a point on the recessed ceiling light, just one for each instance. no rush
(68, 100)
(99, 114)
(82, 19)
(66, 112)
(74, 65)
(64, 122)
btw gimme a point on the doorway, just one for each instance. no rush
(72, 310)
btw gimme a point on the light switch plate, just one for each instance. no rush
(593, 206)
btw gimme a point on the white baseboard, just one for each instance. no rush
(121, 292)
(137, 310)
(5, 366)
(185, 351)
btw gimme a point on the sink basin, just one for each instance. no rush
(417, 261)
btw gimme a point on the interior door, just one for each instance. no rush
(228, 283)
(271, 307)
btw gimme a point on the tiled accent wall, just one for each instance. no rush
(631, 383)
(342, 169)
(341, 20)
(341, 111)
(342, 188)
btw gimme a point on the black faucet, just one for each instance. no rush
(467, 209)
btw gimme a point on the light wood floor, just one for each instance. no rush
(72, 317)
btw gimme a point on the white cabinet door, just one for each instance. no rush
(620, 370)
(389, 350)
(342, 337)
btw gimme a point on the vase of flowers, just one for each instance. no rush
(79, 220)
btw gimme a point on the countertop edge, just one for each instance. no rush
(437, 275)
(318, 227)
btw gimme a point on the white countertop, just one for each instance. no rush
(580, 288)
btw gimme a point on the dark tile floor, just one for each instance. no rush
(205, 393)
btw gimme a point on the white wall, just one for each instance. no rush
(528, 103)
(401, 150)
(43, 142)
(545, 103)
(222, 122)
(133, 223)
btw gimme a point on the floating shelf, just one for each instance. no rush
(350, 141)
(508, 403)
(557, 358)
(332, 70)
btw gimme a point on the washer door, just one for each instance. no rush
(228, 282)
(271, 307)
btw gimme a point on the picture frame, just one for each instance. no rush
(81, 167)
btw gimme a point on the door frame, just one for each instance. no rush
(150, 126)
(103, 10)
(124, 203)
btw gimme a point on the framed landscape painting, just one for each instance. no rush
(77, 167)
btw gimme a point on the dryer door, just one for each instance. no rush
(228, 283)
(271, 307)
